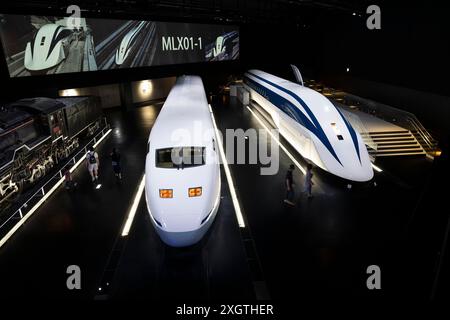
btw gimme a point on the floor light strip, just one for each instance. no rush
(298, 165)
(237, 207)
(101, 139)
(133, 209)
(29, 213)
(378, 169)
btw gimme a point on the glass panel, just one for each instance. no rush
(180, 157)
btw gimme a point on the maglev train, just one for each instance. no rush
(182, 173)
(127, 44)
(48, 48)
(219, 47)
(312, 125)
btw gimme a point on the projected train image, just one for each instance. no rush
(127, 43)
(182, 185)
(312, 125)
(41, 45)
(225, 47)
(48, 48)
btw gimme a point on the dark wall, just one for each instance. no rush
(405, 64)
(433, 110)
(411, 50)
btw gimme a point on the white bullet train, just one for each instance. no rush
(127, 44)
(312, 125)
(48, 48)
(182, 173)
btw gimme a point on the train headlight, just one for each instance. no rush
(195, 192)
(165, 193)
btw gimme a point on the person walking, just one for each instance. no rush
(289, 182)
(308, 181)
(115, 161)
(92, 163)
(69, 183)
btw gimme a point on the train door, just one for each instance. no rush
(56, 123)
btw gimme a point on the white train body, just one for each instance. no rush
(179, 218)
(312, 125)
(48, 48)
(127, 44)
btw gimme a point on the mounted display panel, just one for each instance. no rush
(37, 45)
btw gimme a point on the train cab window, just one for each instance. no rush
(180, 157)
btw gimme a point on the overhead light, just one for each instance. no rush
(146, 87)
(348, 69)
(98, 186)
(69, 93)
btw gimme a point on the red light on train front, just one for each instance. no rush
(195, 192)
(165, 193)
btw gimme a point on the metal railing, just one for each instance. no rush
(390, 114)
(16, 219)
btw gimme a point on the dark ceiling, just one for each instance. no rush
(233, 11)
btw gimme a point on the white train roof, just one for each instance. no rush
(185, 109)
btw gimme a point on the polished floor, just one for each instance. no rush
(318, 249)
(323, 246)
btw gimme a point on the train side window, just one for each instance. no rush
(214, 144)
(340, 137)
(42, 40)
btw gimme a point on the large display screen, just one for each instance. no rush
(36, 45)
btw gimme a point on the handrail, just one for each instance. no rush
(389, 113)
(21, 211)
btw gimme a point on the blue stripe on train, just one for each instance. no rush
(308, 110)
(291, 110)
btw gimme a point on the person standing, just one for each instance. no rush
(289, 182)
(115, 161)
(92, 163)
(68, 180)
(308, 181)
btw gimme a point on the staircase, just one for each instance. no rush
(393, 143)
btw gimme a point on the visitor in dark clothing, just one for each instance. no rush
(69, 183)
(289, 182)
(308, 181)
(115, 161)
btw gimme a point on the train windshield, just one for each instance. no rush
(180, 157)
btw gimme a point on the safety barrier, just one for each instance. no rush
(24, 212)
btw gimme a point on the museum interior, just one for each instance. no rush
(216, 152)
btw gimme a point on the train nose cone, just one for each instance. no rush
(361, 174)
(180, 221)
